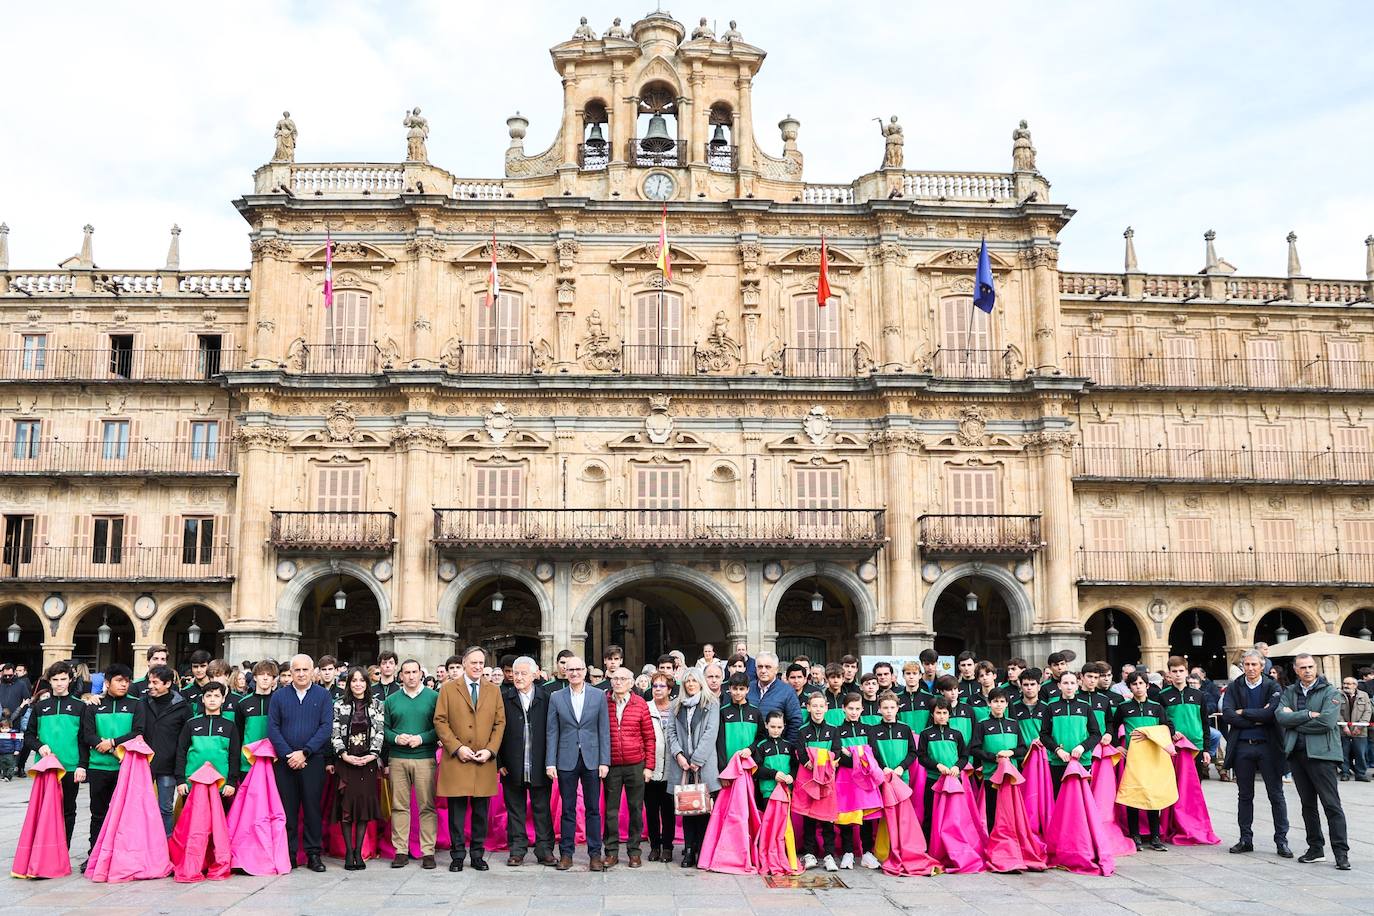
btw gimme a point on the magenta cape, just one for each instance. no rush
(729, 842)
(257, 822)
(41, 851)
(1187, 822)
(132, 845)
(956, 841)
(1012, 845)
(1075, 839)
(1104, 784)
(200, 842)
(1038, 791)
(815, 787)
(906, 845)
(858, 786)
(776, 846)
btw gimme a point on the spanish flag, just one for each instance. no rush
(665, 260)
(493, 277)
(823, 281)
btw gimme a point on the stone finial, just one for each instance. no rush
(4, 246)
(87, 256)
(1132, 266)
(1213, 264)
(1369, 257)
(174, 249)
(1294, 265)
(789, 126)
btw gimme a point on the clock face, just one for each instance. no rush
(658, 186)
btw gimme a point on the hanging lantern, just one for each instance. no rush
(498, 599)
(1196, 634)
(14, 632)
(817, 600)
(971, 603)
(1113, 634)
(340, 598)
(104, 633)
(193, 631)
(1281, 634)
(1362, 634)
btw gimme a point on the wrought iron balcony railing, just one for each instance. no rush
(975, 364)
(820, 362)
(672, 153)
(738, 528)
(1222, 372)
(658, 359)
(958, 534)
(116, 458)
(114, 364)
(593, 157)
(722, 157)
(1242, 567)
(338, 359)
(496, 359)
(119, 563)
(1223, 465)
(316, 530)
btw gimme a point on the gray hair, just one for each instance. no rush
(715, 665)
(771, 656)
(694, 674)
(1251, 653)
(1301, 655)
(525, 660)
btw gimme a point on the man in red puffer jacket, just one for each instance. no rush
(632, 753)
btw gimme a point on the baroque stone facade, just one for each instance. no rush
(608, 454)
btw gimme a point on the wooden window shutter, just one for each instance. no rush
(1353, 459)
(1271, 452)
(170, 532)
(1107, 533)
(1095, 355)
(1181, 365)
(1194, 555)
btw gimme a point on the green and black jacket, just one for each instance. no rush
(191, 693)
(870, 714)
(1069, 724)
(771, 757)
(1102, 708)
(1134, 714)
(834, 706)
(116, 718)
(56, 722)
(978, 704)
(894, 744)
(941, 744)
(818, 736)
(962, 719)
(381, 691)
(250, 715)
(213, 740)
(1187, 713)
(1029, 719)
(740, 727)
(913, 709)
(850, 734)
(991, 737)
(968, 689)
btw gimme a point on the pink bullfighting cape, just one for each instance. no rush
(900, 832)
(1106, 758)
(200, 842)
(956, 838)
(1188, 822)
(132, 845)
(257, 821)
(1012, 844)
(1038, 791)
(777, 844)
(41, 851)
(729, 843)
(1075, 838)
(814, 796)
(858, 787)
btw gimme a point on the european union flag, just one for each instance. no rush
(985, 295)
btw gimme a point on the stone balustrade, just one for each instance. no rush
(827, 194)
(347, 178)
(79, 282)
(988, 186)
(40, 284)
(478, 189)
(1186, 287)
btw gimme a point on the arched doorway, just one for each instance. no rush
(339, 616)
(1359, 625)
(1198, 636)
(1280, 619)
(104, 635)
(25, 645)
(817, 619)
(1099, 646)
(177, 634)
(500, 615)
(971, 614)
(648, 617)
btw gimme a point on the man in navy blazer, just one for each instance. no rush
(578, 750)
(1254, 746)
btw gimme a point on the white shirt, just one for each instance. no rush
(1255, 683)
(526, 699)
(577, 697)
(300, 694)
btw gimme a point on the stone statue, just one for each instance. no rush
(615, 31)
(703, 31)
(732, 33)
(720, 328)
(584, 31)
(286, 139)
(595, 330)
(1022, 153)
(892, 151)
(417, 132)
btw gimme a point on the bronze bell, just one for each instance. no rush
(718, 138)
(595, 137)
(657, 139)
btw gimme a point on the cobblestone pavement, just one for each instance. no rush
(1181, 881)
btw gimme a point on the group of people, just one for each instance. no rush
(381, 756)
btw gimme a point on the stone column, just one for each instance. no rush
(903, 610)
(892, 256)
(54, 652)
(421, 328)
(411, 605)
(1044, 260)
(744, 132)
(254, 586)
(1056, 529)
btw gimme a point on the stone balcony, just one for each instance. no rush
(965, 534)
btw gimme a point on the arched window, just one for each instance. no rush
(656, 345)
(500, 345)
(720, 147)
(656, 130)
(594, 152)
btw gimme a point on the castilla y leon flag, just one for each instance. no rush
(665, 260)
(328, 270)
(823, 281)
(493, 278)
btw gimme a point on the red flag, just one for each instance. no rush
(665, 258)
(823, 281)
(493, 278)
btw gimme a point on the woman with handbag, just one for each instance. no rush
(658, 798)
(693, 769)
(357, 740)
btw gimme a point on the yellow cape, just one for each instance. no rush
(1149, 782)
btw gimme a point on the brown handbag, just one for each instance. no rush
(692, 796)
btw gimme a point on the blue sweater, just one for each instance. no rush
(780, 695)
(300, 725)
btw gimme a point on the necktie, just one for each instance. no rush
(473, 685)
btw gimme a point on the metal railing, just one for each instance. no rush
(1326, 466)
(820, 362)
(979, 364)
(722, 157)
(120, 563)
(1222, 372)
(980, 533)
(1241, 567)
(674, 155)
(114, 364)
(593, 157)
(658, 359)
(496, 359)
(340, 359)
(576, 528)
(129, 458)
(322, 530)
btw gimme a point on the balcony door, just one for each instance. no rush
(18, 542)
(1271, 453)
(1186, 459)
(973, 498)
(501, 344)
(1095, 358)
(1357, 550)
(1352, 453)
(656, 345)
(347, 334)
(338, 504)
(657, 491)
(1194, 557)
(1262, 362)
(1276, 554)
(1343, 363)
(818, 493)
(966, 340)
(815, 339)
(1181, 367)
(499, 491)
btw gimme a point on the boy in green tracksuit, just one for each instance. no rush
(852, 732)
(210, 738)
(250, 710)
(942, 751)
(740, 722)
(55, 728)
(819, 734)
(868, 689)
(1087, 689)
(1070, 730)
(986, 677)
(894, 743)
(913, 703)
(961, 716)
(1012, 685)
(1029, 711)
(104, 726)
(774, 758)
(995, 737)
(834, 694)
(1140, 712)
(1186, 708)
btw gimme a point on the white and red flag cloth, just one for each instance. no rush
(493, 277)
(328, 270)
(665, 259)
(823, 281)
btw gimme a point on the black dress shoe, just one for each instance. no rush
(314, 864)
(1342, 863)
(480, 865)
(455, 865)
(1284, 852)
(1243, 846)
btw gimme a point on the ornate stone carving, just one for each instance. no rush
(773, 357)
(891, 253)
(973, 426)
(341, 423)
(1158, 610)
(1043, 256)
(265, 436)
(1328, 610)
(721, 352)
(582, 571)
(565, 250)
(498, 422)
(408, 436)
(617, 31)
(425, 246)
(390, 353)
(887, 441)
(583, 32)
(816, 424)
(1107, 500)
(1052, 440)
(1243, 609)
(286, 139)
(703, 31)
(749, 256)
(1277, 502)
(422, 324)
(658, 425)
(1022, 153)
(597, 351)
(1359, 503)
(277, 248)
(732, 34)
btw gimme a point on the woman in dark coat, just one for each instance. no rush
(357, 739)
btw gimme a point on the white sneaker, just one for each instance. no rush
(809, 861)
(870, 861)
(847, 860)
(830, 864)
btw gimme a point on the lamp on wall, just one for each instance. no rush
(971, 603)
(498, 598)
(1362, 633)
(104, 633)
(1196, 634)
(817, 599)
(1113, 634)
(193, 631)
(1281, 633)
(340, 597)
(14, 632)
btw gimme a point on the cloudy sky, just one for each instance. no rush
(1251, 119)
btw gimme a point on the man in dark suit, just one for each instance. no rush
(1248, 708)
(578, 736)
(522, 760)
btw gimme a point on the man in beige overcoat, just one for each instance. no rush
(470, 719)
